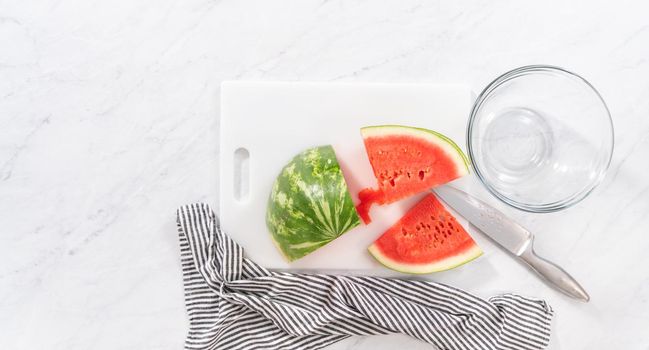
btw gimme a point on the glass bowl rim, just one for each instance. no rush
(484, 95)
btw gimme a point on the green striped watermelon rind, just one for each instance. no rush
(451, 148)
(309, 205)
(444, 264)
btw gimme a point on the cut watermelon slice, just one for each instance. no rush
(427, 239)
(407, 161)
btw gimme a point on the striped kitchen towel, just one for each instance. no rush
(234, 303)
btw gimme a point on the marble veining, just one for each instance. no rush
(109, 121)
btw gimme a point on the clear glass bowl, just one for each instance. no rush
(540, 138)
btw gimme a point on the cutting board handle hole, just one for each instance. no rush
(241, 174)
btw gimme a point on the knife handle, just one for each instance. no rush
(554, 274)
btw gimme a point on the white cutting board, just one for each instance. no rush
(273, 121)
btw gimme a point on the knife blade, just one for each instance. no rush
(511, 236)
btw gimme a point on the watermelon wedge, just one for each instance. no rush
(309, 204)
(407, 161)
(427, 239)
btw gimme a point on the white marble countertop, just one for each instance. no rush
(109, 121)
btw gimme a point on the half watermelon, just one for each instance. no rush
(406, 161)
(309, 204)
(427, 239)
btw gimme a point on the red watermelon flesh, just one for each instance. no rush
(406, 161)
(427, 239)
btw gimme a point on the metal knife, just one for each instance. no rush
(511, 236)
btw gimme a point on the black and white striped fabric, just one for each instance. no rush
(234, 303)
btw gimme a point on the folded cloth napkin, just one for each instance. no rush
(234, 303)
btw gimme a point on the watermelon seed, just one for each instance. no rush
(421, 174)
(392, 182)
